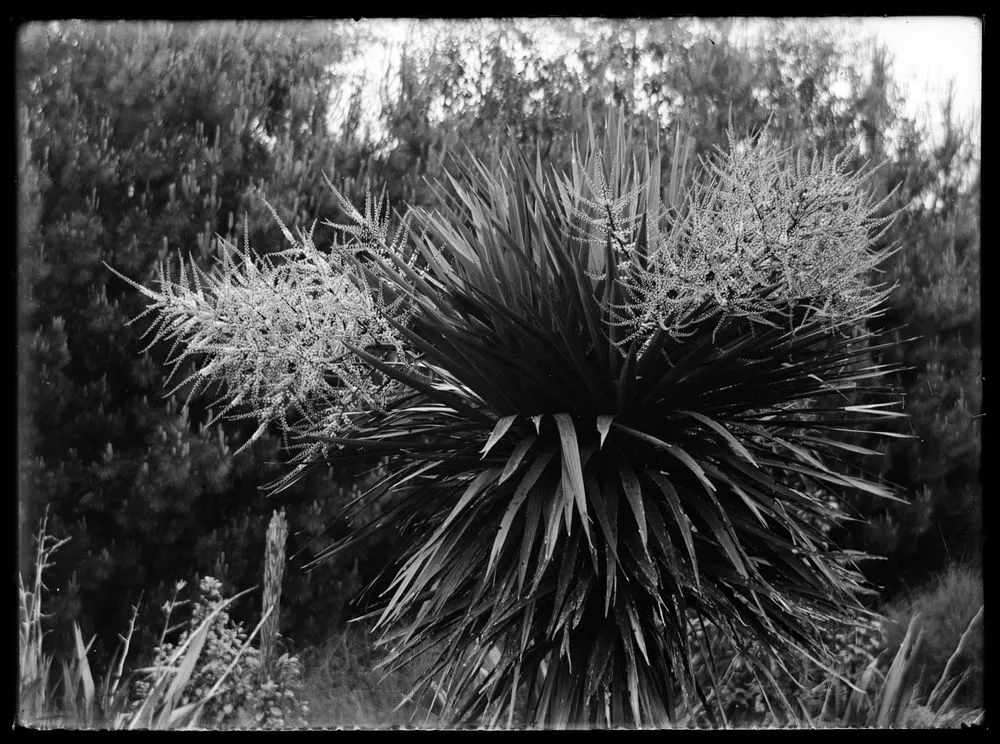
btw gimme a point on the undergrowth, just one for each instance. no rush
(921, 667)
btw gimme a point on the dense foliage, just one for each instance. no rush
(939, 299)
(140, 143)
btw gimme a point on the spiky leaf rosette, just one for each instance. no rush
(592, 443)
(597, 452)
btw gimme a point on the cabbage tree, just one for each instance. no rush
(605, 416)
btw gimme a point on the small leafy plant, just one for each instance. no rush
(224, 683)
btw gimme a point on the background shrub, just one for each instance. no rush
(139, 141)
(946, 604)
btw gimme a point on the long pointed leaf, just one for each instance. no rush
(523, 488)
(573, 468)
(516, 457)
(672, 449)
(680, 518)
(499, 430)
(633, 493)
(734, 443)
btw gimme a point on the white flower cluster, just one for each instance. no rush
(762, 230)
(272, 334)
(610, 215)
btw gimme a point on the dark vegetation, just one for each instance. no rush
(141, 141)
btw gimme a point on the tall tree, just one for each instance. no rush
(939, 300)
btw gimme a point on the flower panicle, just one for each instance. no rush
(764, 230)
(273, 333)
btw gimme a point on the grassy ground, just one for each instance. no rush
(343, 688)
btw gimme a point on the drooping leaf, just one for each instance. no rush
(516, 456)
(681, 519)
(573, 482)
(633, 493)
(523, 488)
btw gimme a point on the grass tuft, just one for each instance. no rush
(345, 690)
